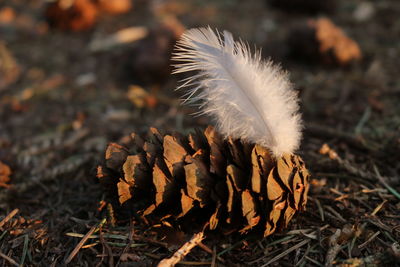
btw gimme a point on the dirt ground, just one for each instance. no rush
(61, 102)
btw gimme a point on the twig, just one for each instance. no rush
(363, 245)
(108, 249)
(214, 257)
(314, 261)
(182, 252)
(13, 262)
(231, 247)
(334, 248)
(337, 215)
(320, 209)
(378, 208)
(9, 217)
(363, 120)
(83, 240)
(383, 182)
(208, 250)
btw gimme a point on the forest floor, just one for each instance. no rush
(65, 102)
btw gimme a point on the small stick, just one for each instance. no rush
(363, 245)
(108, 249)
(385, 184)
(337, 215)
(13, 262)
(182, 252)
(8, 217)
(214, 257)
(82, 242)
(208, 250)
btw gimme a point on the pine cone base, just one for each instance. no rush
(203, 180)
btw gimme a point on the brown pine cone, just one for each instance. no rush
(71, 15)
(114, 6)
(202, 179)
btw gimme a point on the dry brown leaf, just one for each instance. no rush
(333, 39)
(5, 173)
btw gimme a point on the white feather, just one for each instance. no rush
(248, 98)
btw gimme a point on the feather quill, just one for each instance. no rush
(247, 98)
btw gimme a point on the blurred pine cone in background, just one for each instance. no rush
(114, 6)
(71, 15)
(202, 180)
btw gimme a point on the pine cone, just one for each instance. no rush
(202, 179)
(71, 15)
(114, 6)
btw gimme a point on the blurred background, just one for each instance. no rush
(77, 74)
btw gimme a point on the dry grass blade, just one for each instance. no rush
(283, 254)
(25, 249)
(82, 242)
(182, 252)
(212, 252)
(302, 243)
(385, 184)
(9, 217)
(379, 207)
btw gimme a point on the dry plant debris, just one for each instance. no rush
(5, 173)
(203, 180)
(80, 15)
(124, 36)
(9, 69)
(322, 39)
(182, 252)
